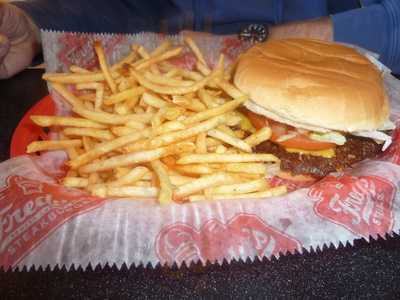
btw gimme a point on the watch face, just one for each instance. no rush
(254, 33)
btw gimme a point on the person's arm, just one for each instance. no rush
(99, 16)
(375, 27)
(320, 29)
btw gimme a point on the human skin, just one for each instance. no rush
(320, 29)
(19, 40)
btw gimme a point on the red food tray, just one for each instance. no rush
(26, 131)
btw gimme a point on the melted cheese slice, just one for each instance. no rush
(327, 153)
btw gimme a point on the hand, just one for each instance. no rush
(19, 42)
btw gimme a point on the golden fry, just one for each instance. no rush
(259, 136)
(230, 89)
(155, 59)
(52, 145)
(135, 125)
(203, 69)
(195, 169)
(200, 184)
(124, 160)
(163, 80)
(124, 130)
(189, 104)
(207, 99)
(164, 46)
(176, 136)
(241, 188)
(106, 147)
(126, 60)
(48, 121)
(154, 100)
(230, 140)
(201, 144)
(165, 194)
(75, 182)
(251, 168)
(73, 77)
(130, 177)
(272, 192)
(88, 143)
(169, 90)
(125, 95)
(91, 132)
(104, 66)
(193, 46)
(213, 112)
(125, 191)
(225, 158)
(72, 153)
(133, 158)
(109, 118)
(77, 69)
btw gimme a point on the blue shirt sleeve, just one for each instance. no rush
(123, 16)
(129, 16)
(375, 27)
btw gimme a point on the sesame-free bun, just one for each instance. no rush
(313, 85)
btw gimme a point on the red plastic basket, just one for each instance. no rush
(26, 131)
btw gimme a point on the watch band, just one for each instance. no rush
(254, 33)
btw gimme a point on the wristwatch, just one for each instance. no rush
(254, 33)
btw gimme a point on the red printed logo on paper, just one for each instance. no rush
(362, 204)
(30, 210)
(291, 185)
(232, 47)
(215, 240)
(185, 61)
(77, 49)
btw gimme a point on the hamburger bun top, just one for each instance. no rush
(313, 85)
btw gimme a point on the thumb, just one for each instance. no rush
(4, 49)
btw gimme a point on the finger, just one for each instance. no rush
(4, 46)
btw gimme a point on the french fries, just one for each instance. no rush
(146, 128)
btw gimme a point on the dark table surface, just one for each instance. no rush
(365, 270)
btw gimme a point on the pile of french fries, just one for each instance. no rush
(145, 128)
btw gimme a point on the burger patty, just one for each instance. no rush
(354, 150)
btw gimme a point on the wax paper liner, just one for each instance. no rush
(43, 223)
